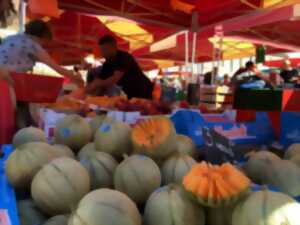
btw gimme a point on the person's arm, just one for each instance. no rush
(98, 83)
(5, 75)
(261, 76)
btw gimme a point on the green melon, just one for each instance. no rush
(137, 176)
(87, 150)
(57, 220)
(257, 166)
(59, 186)
(29, 134)
(29, 214)
(169, 206)
(293, 150)
(101, 167)
(113, 137)
(176, 167)
(97, 121)
(26, 161)
(73, 131)
(64, 151)
(185, 145)
(285, 175)
(267, 208)
(296, 159)
(105, 206)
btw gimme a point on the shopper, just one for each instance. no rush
(120, 68)
(289, 74)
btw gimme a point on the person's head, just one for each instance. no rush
(108, 46)
(250, 65)
(7, 10)
(39, 29)
(287, 64)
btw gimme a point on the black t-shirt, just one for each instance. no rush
(288, 75)
(134, 82)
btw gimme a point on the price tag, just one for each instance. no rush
(117, 115)
(4, 217)
(132, 117)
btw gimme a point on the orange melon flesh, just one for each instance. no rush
(215, 185)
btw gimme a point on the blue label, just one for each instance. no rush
(142, 157)
(105, 127)
(66, 132)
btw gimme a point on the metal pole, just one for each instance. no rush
(186, 48)
(22, 16)
(194, 55)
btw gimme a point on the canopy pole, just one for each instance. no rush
(194, 54)
(186, 48)
(22, 16)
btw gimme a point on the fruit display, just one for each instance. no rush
(176, 167)
(216, 186)
(60, 195)
(101, 167)
(57, 220)
(97, 121)
(185, 145)
(113, 137)
(64, 151)
(137, 176)
(154, 137)
(73, 131)
(267, 208)
(29, 213)
(219, 216)
(28, 134)
(292, 150)
(296, 159)
(87, 150)
(105, 206)
(26, 161)
(169, 205)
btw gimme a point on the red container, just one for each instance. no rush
(37, 88)
(7, 115)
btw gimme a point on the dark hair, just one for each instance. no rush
(249, 64)
(107, 39)
(7, 10)
(39, 29)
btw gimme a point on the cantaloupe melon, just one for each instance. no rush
(29, 213)
(155, 137)
(59, 186)
(105, 206)
(185, 145)
(137, 176)
(26, 161)
(176, 167)
(101, 167)
(296, 159)
(170, 206)
(57, 220)
(29, 134)
(113, 137)
(73, 131)
(219, 216)
(64, 151)
(258, 165)
(87, 150)
(267, 208)
(97, 121)
(292, 150)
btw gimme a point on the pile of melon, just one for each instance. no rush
(107, 172)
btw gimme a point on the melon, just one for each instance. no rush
(59, 186)
(29, 213)
(64, 151)
(294, 149)
(57, 220)
(105, 206)
(101, 167)
(258, 164)
(285, 175)
(73, 131)
(23, 163)
(87, 150)
(113, 137)
(97, 121)
(185, 145)
(267, 208)
(137, 176)
(219, 216)
(155, 137)
(170, 206)
(29, 134)
(216, 186)
(296, 159)
(176, 167)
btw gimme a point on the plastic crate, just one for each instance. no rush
(7, 193)
(37, 88)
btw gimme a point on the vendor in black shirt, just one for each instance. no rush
(288, 74)
(120, 68)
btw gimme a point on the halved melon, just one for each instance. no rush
(216, 186)
(155, 137)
